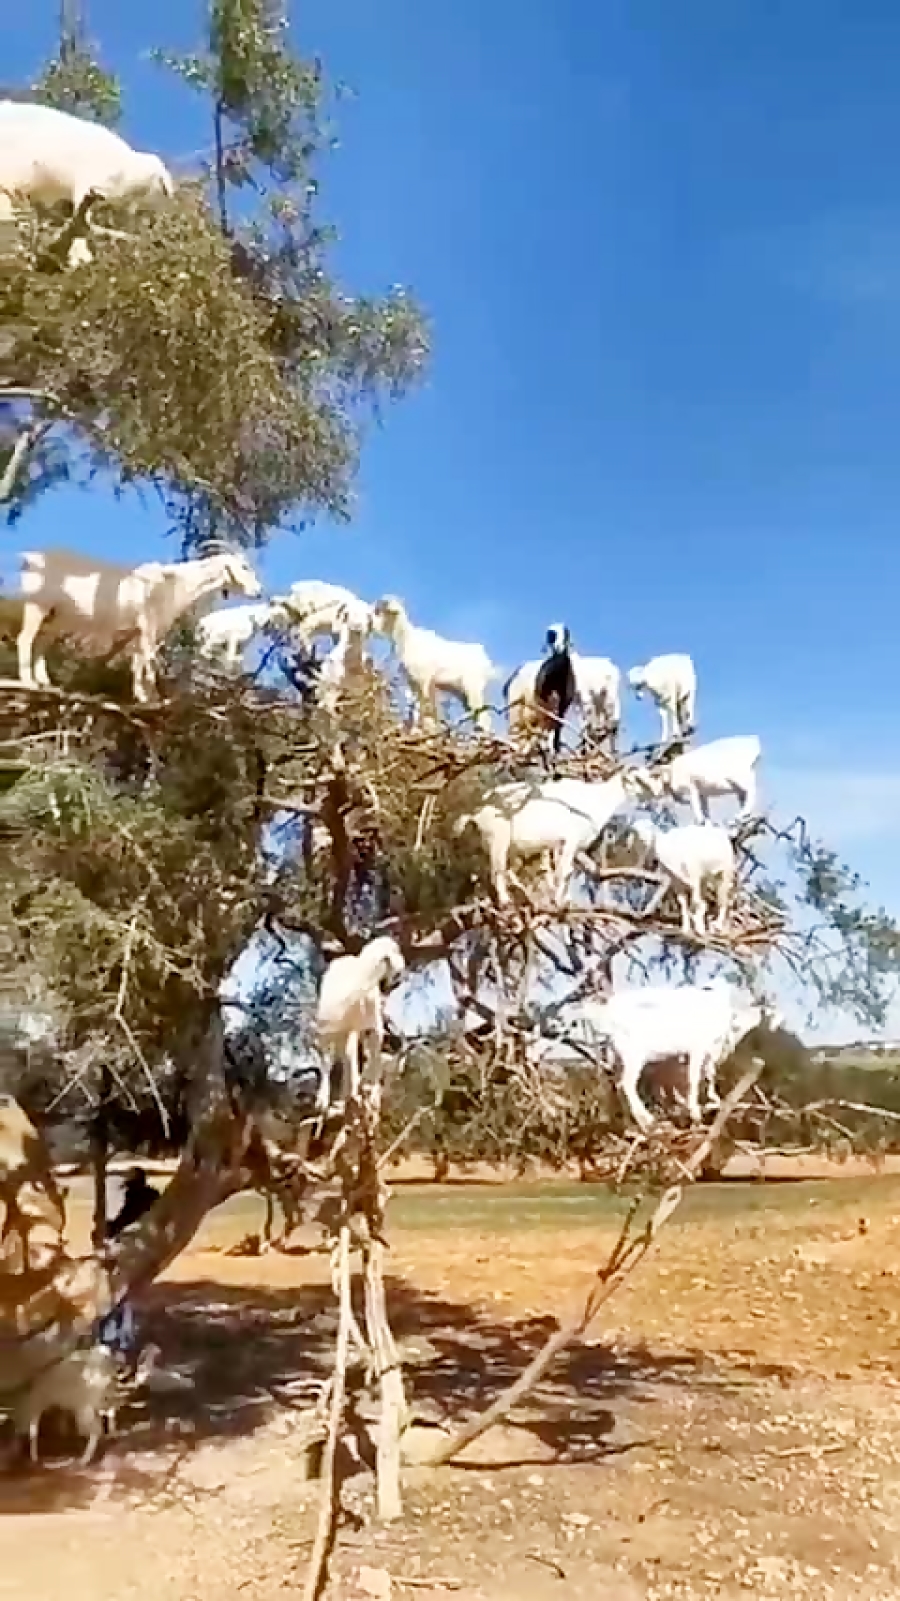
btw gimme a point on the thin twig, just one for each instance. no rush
(408, 1128)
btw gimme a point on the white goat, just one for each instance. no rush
(598, 682)
(723, 767)
(597, 692)
(82, 1382)
(651, 1023)
(48, 156)
(333, 671)
(432, 663)
(694, 855)
(350, 1005)
(85, 1383)
(312, 606)
(672, 683)
(226, 634)
(557, 817)
(110, 607)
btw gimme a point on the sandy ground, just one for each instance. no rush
(732, 1428)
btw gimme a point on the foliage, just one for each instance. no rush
(217, 361)
(75, 81)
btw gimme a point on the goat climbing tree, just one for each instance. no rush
(146, 849)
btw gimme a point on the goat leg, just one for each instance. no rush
(94, 1430)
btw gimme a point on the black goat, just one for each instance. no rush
(554, 686)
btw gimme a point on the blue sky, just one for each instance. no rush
(661, 247)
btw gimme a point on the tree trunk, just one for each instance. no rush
(49, 1308)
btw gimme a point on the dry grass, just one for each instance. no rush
(734, 1429)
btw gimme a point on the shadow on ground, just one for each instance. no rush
(255, 1353)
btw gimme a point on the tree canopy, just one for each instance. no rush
(210, 354)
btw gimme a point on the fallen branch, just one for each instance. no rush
(628, 1251)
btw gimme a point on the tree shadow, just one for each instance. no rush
(256, 1353)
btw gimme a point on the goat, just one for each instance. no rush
(350, 1004)
(645, 1024)
(554, 686)
(226, 634)
(333, 671)
(561, 816)
(672, 683)
(432, 663)
(597, 692)
(113, 608)
(598, 688)
(694, 855)
(723, 767)
(49, 156)
(91, 1386)
(312, 606)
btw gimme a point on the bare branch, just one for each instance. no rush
(628, 1251)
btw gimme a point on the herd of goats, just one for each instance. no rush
(554, 818)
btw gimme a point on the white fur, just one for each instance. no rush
(653, 1022)
(558, 817)
(226, 634)
(350, 1005)
(672, 682)
(695, 855)
(48, 156)
(312, 606)
(113, 607)
(432, 663)
(597, 692)
(332, 672)
(82, 1382)
(723, 767)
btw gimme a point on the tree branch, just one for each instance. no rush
(628, 1251)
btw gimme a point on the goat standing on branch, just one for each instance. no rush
(672, 682)
(598, 685)
(558, 817)
(723, 767)
(312, 606)
(694, 856)
(654, 1022)
(49, 156)
(597, 682)
(351, 1007)
(432, 663)
(225, 635)
(555, 687)
(111, 608)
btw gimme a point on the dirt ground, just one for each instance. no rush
(731, 1430)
